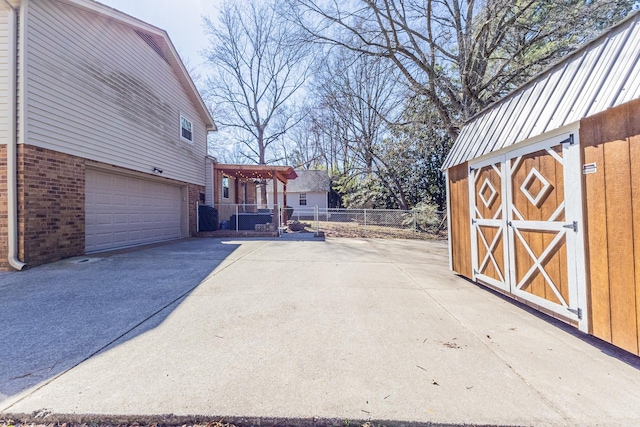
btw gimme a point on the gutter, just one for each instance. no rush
(12, 145)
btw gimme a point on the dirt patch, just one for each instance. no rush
(355, 230)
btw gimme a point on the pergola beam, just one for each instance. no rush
(282, 173)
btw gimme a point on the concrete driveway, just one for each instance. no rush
(344, 329)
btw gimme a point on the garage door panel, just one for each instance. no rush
(103, 198)
(119, 181)
(102, 180)
(134, 185)
(103, 219)
(120, 218)
(127, 211)
(120, 200)
(120, 237)
(103, 239)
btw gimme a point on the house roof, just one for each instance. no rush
(599, 75)
(308, 181)
(161, 39)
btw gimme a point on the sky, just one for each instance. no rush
(182, 20)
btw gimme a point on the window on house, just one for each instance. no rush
(225, 187)
(303, 199)
(186, 128)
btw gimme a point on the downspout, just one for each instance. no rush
(12, 146)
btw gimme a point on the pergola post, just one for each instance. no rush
(275, 197)
(285, 217)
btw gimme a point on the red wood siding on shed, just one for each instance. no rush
(612, 219)
(460, 220)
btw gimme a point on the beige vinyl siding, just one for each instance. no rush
(293, 199)
(5, 52)
(209, 200)
(20, 72)
(5, 102)
(97, 90)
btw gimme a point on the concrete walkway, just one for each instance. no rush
(345, 329)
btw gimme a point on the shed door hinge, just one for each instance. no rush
(473, 220)
(576, 311)
(570, 140)
(573, 226)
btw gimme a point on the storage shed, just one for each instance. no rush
(544, 190)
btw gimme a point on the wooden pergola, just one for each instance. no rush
(252, 173)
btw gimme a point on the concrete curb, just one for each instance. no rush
(170, 420)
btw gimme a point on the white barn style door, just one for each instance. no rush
(526, 225)
(488, 220)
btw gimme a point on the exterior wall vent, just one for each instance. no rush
(152, 43)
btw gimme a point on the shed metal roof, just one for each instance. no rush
(600, 75)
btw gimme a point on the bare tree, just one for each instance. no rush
(307, 152)
(360, 97)
(458, 54)
(259, 67)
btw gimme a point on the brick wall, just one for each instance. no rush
(4, 245)
(50, 205)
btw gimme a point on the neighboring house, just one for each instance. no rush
(111, 137)
(544, 190)
(310, 189)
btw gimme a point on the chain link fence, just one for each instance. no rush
(425, 223)
(383, 223)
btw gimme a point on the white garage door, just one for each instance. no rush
(124, 211)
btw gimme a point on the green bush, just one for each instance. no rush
(426, 216)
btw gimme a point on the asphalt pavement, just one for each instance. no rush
(342, 329)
